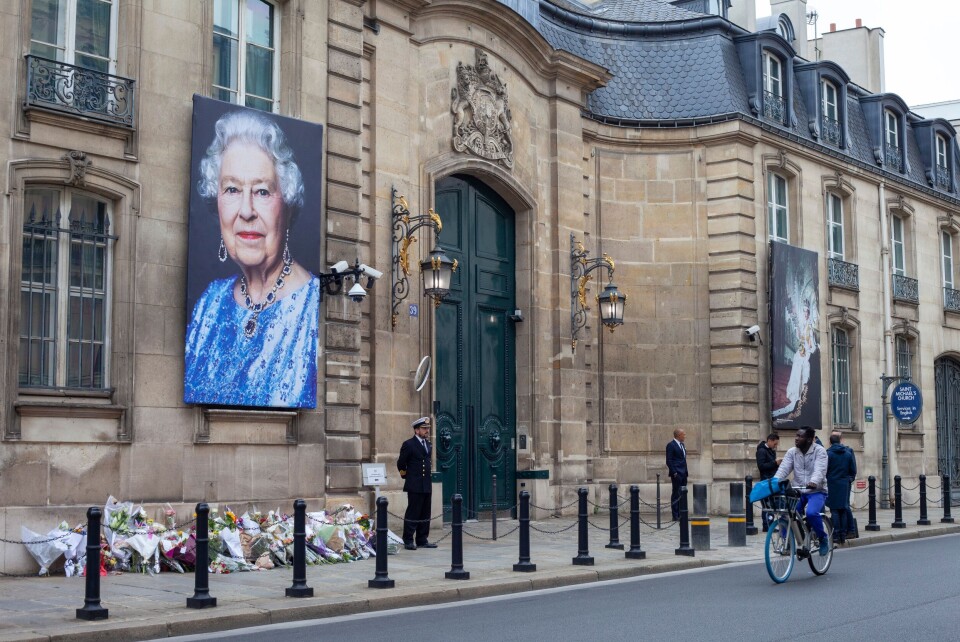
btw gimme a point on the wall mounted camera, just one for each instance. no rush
(753, 333)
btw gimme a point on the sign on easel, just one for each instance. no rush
(374, 475)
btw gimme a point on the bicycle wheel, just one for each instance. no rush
(820, 563)
(780, 552)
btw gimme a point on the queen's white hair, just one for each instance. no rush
(255, 129)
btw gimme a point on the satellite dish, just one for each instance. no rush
(422, 376)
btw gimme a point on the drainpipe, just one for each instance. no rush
(885, 268)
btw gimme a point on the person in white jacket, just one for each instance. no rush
(807, 460)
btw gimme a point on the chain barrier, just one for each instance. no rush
(418, 521)
(661, 527)
(562, 530)
(607, 529)
(490, 539)
(554, 510)
(902, 487)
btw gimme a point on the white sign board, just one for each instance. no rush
(374, 474)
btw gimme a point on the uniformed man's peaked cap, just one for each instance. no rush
(422, 421)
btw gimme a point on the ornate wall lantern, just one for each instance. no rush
(611, 301)
(436, 270)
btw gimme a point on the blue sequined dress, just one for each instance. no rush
(276, 367)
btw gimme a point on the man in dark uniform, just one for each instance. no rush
(414, 466)
(767, 464)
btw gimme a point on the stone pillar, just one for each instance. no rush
(733, 202)
(347, 227)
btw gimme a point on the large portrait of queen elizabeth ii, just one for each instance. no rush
(253, 303)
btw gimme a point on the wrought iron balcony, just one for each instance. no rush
(943, 178)
(843, 274)
(831, 131)
(773, 107)
(906, 289)
(892, 157)
(75, 90)
(951, 300)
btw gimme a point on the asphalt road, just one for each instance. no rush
(900, 591)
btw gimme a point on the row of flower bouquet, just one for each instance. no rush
(131, 541)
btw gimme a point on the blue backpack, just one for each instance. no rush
(765, 488)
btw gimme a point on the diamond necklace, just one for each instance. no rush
(250, 328)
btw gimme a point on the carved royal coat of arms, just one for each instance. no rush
(481, 123)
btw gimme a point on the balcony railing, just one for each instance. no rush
(831, 131)
(943, 178)
(892, 157)
(774, 107)
(76, 90)
(951, 300)
(906, 289)
(843, 274)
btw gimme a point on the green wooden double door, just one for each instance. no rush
(475, 402)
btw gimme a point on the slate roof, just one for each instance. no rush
(629, 10)
(661, 74)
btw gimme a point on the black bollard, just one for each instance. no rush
(299, 587)
(380, 578)
(91, 599)
(493, 484)
(635, 552)
(658, 501)
(736, 522)
(897, 503)
(700, 523)
(685, 548)
(583, 548)
(872, 504)
(751, 529)
(201, 589)
(924, 520)
(524, 565)
(947, 519)
(456, 571)
(614, 520)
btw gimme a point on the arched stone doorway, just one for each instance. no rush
(475, 347)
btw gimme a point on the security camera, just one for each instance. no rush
(373, 273)
(753, 333)
(340, 266)
(357, 293)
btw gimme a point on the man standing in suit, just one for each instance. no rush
(677, 467)
(414, 466)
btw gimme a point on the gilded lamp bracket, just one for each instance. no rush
(436, 269)
(611, 300)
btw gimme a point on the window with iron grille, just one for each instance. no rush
(904, 356)
(777, 210)
(841, 376)
(830, 113)
(64, 290)
(245, 53)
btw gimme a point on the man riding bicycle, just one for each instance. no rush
(808, 463)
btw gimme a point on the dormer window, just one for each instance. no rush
(831, 113)
(773, 104)
(891, 150)
(943, 169)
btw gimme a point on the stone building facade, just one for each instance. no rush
(657, 133)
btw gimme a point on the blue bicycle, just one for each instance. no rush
(789, 527)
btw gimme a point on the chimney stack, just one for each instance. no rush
(833, 27)
(859, 23)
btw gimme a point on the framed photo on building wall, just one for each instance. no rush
(253, 297)
(795, 338)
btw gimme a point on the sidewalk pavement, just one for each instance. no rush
(144, 607)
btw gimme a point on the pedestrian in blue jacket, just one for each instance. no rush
(841, 471)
